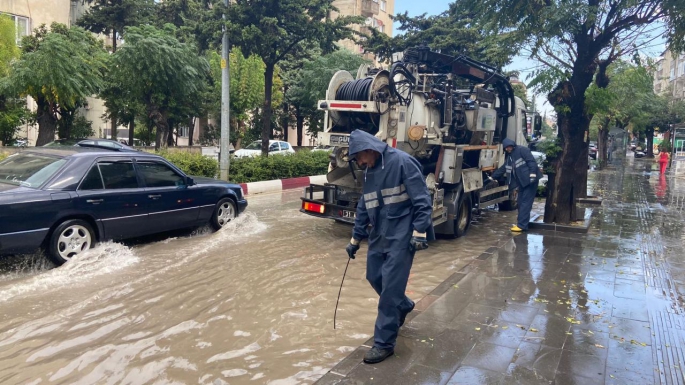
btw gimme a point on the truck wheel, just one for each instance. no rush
(512, 203)
(464, 215)
(69, 239)
(224, 212)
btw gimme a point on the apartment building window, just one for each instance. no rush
(383, 5)
(22, 25)
(183, 132)
(672, 77)
(681, 71)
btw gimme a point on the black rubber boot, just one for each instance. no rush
(376, 355)
(404, 315)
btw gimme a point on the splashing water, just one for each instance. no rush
(103, 259)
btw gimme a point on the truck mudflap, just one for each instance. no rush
(327, 206)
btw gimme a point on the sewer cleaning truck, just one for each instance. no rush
(450, 113)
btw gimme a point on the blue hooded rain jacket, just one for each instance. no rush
(395, 201)
(519, 166)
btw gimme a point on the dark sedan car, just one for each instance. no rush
(66, 199)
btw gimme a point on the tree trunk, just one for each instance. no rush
(161, 123)
(284, 119)
(570, 179)
(47, 124)
(202, 126)
(131, 131)
(602, 146)
(649, 132)
(170, 133)
(191, 131)
(113, 133)
(300, 127)
(239, 141)
(266, 114)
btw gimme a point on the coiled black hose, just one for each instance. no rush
(359, 89)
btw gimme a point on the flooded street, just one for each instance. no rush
(252, 303)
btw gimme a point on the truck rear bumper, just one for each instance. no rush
(327, 207)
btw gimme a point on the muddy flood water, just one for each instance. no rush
(251, 304)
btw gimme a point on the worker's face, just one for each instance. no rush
(509, 149)
(366, 158)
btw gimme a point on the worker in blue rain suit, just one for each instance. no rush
(522, 171)
(394, 213)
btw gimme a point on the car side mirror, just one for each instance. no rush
(190, 181)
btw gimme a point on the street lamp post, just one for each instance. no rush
(224, 161)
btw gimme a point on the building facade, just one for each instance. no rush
(669, 75)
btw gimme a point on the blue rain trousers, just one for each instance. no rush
(388, 274)
(525, 204)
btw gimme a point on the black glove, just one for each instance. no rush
(352, 249)
(418, 241)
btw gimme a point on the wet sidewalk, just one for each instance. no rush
(557, 308)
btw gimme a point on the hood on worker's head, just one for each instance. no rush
(360, 141)
(508, 143)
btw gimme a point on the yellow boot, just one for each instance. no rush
(516, 229)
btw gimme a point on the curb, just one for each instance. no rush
(268, 186)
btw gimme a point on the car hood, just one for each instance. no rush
(206, 181)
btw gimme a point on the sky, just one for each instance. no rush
(519, 63)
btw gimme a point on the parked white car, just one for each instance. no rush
(540, 159)
(255, 149)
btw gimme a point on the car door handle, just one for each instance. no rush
(94, 201)
(154, 196)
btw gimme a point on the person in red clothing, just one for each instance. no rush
(663, 161)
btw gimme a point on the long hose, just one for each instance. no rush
(340, 291)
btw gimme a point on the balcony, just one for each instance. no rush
(370, 8)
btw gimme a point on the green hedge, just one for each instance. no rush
(244, 170)
(193, 163)
(302, 163)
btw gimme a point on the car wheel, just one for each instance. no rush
(224, 212)
(69, 239)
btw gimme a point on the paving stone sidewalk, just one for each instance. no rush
(557, 308)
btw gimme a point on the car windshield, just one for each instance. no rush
(29, 170)
(254, 146)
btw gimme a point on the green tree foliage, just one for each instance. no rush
(13, 113)
(8, 44)
(626, 100)
(309, 84)
(162, 74)
(457, 31)
(197, 21)
(13, 110)
(77, 62)
(521, 92)
(246, 91)
(110, 17)
(574, 40)
(274, 28)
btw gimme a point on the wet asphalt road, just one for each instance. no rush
(252, 303)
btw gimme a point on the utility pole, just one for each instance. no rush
(225, 156)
